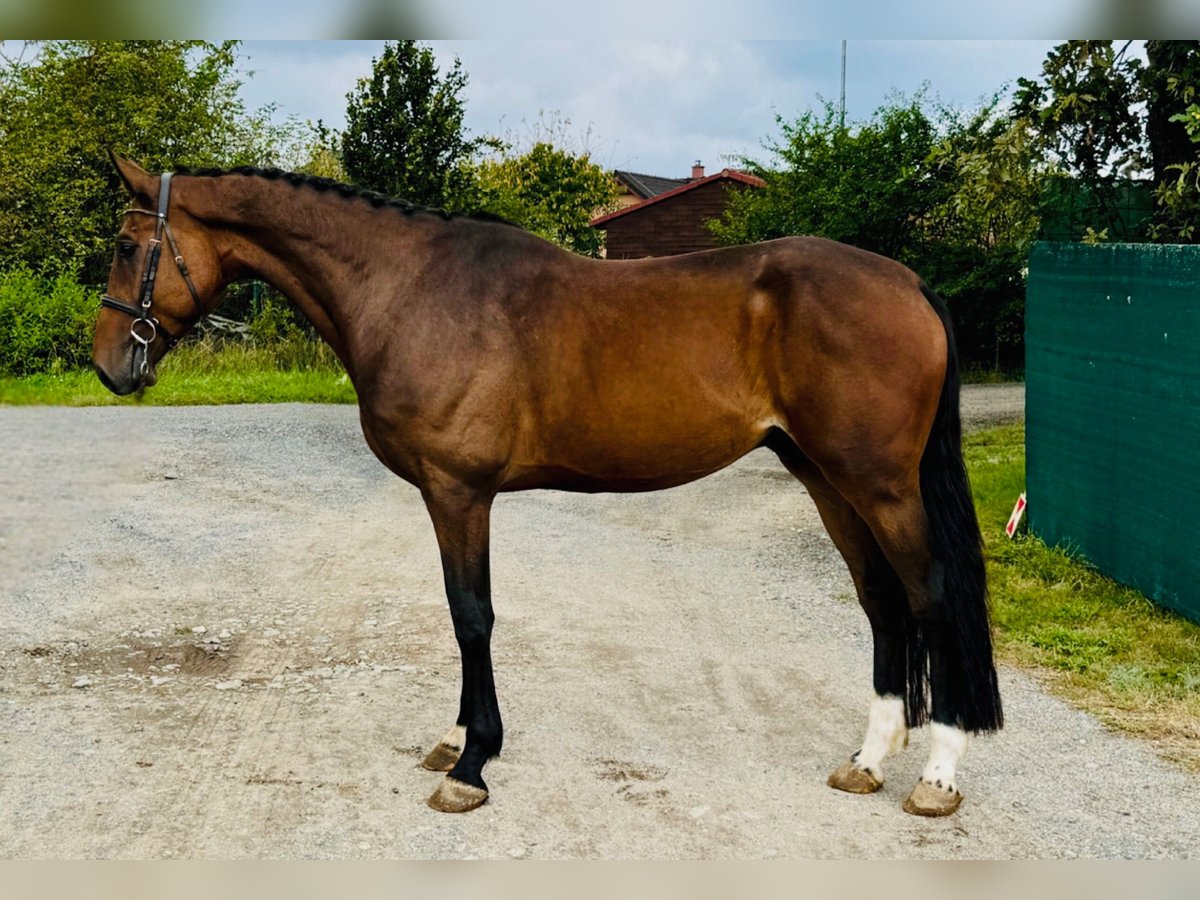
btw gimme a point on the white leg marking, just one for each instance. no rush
(947, 745)
(886, 734)
(456, 737)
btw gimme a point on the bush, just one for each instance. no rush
(275, 323)
(984, 290)
(46, 327)
(45, 324)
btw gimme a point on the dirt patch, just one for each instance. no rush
(615, 770)
(184, 659)
(140, 657)
(347, 790)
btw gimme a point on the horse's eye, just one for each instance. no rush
(126, 249)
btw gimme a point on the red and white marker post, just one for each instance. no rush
(1015, 519)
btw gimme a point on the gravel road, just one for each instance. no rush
(223, 634)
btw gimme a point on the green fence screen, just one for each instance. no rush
(1112, 409)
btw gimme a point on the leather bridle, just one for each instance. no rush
(142, 317)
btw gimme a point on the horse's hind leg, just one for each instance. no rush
(460, 519)
(882, 597)
(899, 523)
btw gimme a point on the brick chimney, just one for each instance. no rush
(697, 170)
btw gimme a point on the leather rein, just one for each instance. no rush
(143, 319)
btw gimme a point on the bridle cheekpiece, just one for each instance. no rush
(143, 319)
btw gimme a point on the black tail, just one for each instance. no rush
(958, 579)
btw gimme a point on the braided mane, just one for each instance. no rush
(341, 189)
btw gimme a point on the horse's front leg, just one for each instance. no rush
(460, 518)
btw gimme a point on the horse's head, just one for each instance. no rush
(165, 276)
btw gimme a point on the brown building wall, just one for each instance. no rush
(671, 226)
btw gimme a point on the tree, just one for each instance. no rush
(1086, 113)
(1173, 88)
(1171, 68)
(979, 234)
(404, 128)
(66, 103)
(317, 151)
(546, 182)
(549, 191)
(1106, 118)
(992, 176)
(867, 185)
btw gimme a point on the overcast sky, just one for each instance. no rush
(651, 106)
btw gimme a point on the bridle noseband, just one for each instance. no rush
(142, 317)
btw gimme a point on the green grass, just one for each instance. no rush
(1100, 644)
(202, 373)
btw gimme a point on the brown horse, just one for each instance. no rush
(488, 360)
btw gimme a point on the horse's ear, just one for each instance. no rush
(137, 180)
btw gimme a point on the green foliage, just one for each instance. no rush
(404, 129)
(992, 176)
(984, 290)
(1178, 201)
(321, 155)
(45, 324)
(866, 186)
(1086, 115)
(1103, 119)
(1178, 191)
(280, 329)
(1169, 82)
(1083, 110)
(294, 351)
(549, 191)
(979, 233)
(294, 368)
(67, 103)
(46, 328)
(275, 321)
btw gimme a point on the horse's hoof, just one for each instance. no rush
(441, 758)
(930, 800)
(853, 780)
(454, 796)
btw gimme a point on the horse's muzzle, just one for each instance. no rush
(128, 377)
(121, 386)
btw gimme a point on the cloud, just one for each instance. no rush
(652, 106)
(308, 79)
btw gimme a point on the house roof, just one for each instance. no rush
(688, 185)
(646, 186)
